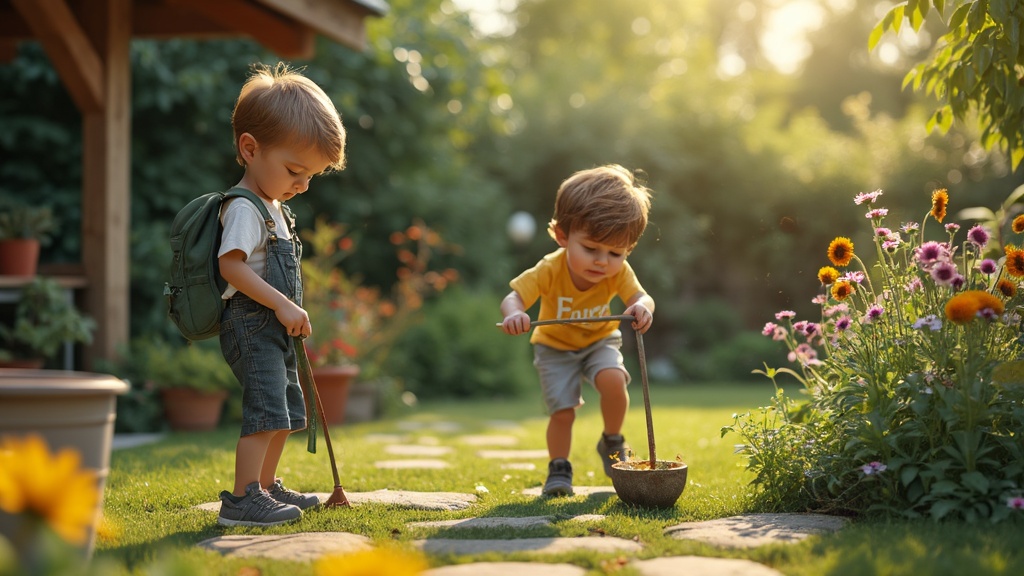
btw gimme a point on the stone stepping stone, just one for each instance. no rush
(134, 440)
(537, 545)
(489, 440)
(507, 569)
(752, 530)
(517, 523)
(413, 500)
(674, 566)
(577, 491)
(507, 425)
(441, 426)
(302, 547)
(422, 463)
(417, 450)
(386, 438)
(513, 454)
(519, 466)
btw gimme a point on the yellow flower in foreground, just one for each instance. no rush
(375, 562)
(842, 290)
(1018, 224)
(840, 251)
(964, 307)
(827, 275)
(1006, 288)
(940, 198)
(53, 487)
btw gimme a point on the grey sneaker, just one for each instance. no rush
(559, 482)
(281, 494)
(611, 448)
(256, 508)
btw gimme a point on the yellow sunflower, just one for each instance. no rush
(840, 251)
(1014, 261)
(964, 307)
(940, 198)
(52, 487)
(827, 275)
(1018, 224)
(387, 560)
(842, 290)
(1006, 288)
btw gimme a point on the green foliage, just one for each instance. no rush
(196, 365)
(23, 221)
(44, 320)
(974, 68)
(917, 406)
(456, 351)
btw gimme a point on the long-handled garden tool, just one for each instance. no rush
(315, 410)
(653, 483)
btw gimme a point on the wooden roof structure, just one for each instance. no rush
(88, 43)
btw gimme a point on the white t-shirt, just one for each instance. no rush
(245, 230)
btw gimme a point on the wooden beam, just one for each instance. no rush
(70, 52)
(162, 21)
(8, 50)
(106, 181)
(339, 20)
(277, 33)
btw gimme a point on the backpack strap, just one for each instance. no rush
(268, 220)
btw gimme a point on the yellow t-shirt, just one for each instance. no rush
(549, 280)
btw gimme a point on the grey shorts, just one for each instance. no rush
(562, 372)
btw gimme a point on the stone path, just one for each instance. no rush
(428, 452)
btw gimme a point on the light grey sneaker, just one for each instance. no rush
(612, 448)
(256, 508)
(559, 482)
(288, 496)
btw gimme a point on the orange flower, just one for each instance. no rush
(840, 251)
(842, 290)
(964, 307)
(940, 198)
(827, 275)
(1018, 224)
(1006, 288)
(1014, 261)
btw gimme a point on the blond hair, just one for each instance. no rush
(606, 203)
(279, 106)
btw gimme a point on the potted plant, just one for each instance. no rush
(193, 381)
(355, 326)
(44, 319)
(23, 229)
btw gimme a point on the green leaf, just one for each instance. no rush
(908, 474)
(941, 508)
(876, 35)
(918, 9)
(959, 16)
(976, 17)
(976, 481)
(940, 6)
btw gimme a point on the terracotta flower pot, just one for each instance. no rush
(19, 256)
(333, 384)
(187, 409)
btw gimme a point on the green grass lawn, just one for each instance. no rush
(152, 491)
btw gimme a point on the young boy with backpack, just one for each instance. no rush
(286, 131)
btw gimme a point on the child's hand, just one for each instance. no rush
(642, 317)
(294, 319)
(516, 323)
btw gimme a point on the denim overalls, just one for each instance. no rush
(259, 349)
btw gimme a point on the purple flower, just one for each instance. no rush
(910, 227)
(1015, 502)
(854, 276)
(978, 235)
(958, 282)
(988, 266)
(819, 299)
(877, 213)
(868, 197)
(843, 323)
(783, 314)
(943, 273)
(882, 232)
(873, 468)
(874, 313)
(914, 285)
(769, 328)
(952, 227)
(931, 321)
(931, 252)
(890, 245)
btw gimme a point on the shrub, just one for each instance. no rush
(913, 376)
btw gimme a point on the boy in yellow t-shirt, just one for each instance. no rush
(600, 215)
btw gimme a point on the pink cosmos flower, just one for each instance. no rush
(873, 468)
(943, 273)
(910, 227)
(783, 314)
(952, 227)
(868, 197)
(876, 213)
(1015, 502)
(769, 328)
(931, 252)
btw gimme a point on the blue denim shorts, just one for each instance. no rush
(562, 372)
(262, 356)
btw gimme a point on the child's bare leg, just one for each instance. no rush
(611, 385)
(250, 454)
(268, 473)
(560, 433)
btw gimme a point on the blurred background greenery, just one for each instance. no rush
(757, 121)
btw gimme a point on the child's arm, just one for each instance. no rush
(641, 307)
(516, 321)
(234, 269)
